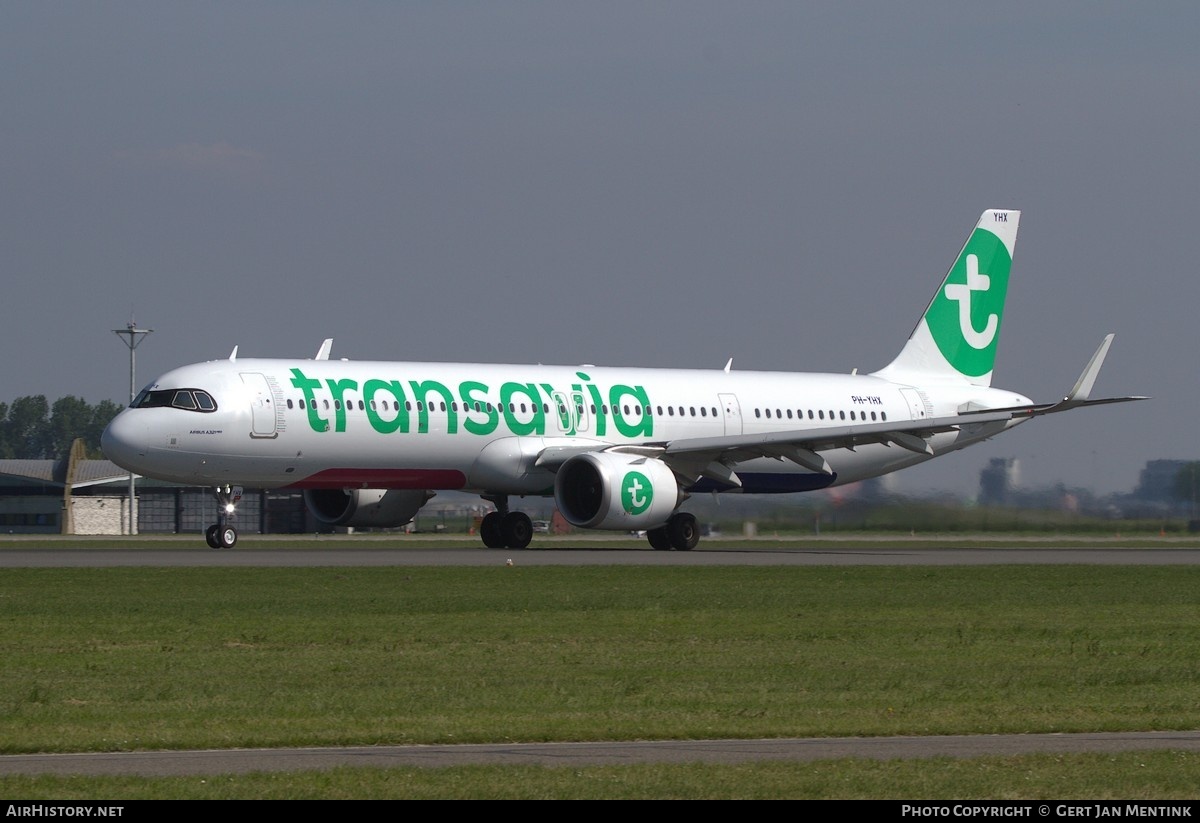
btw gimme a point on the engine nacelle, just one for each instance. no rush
(610, 490)
(380, 508)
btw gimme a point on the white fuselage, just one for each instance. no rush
(480, 427)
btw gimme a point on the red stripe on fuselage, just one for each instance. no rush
(383, 479)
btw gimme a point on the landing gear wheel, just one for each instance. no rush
(683, 532)
(489, 530)
(221, 535)
(517, 530)
(659, 539)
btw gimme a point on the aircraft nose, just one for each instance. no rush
(124, 441)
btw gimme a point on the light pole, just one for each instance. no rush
(132, 336)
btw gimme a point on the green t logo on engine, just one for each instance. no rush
(636, 493)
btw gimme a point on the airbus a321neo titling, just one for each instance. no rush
(369, 442)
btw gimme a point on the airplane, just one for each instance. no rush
(370, 442)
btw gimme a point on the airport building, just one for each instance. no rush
(79, 496)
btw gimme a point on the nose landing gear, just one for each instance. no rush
(222, 535)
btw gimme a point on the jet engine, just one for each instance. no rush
(381, 508)
(610, 490)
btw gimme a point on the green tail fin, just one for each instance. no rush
(957, 336)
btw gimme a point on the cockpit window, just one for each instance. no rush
(188, 399)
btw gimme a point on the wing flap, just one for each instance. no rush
(695, 457)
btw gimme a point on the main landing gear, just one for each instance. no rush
(681, 534)
(221, 535)
(503, 529)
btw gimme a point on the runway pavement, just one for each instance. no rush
(16, 555)
(242, 761)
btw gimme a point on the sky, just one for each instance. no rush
(652, 183)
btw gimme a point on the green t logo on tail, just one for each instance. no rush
(964, 317)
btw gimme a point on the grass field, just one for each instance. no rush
(117, 659)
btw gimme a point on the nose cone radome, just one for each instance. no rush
(124, 441)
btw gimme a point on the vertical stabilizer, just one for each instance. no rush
(957, 336)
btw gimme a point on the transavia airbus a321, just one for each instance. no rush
(369, 442)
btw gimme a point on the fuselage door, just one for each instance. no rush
(579, 406)
(732, 412)
(564, 413)
(916, 406)
(262, 405)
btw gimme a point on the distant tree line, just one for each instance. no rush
(1187, 483)
(33, 429)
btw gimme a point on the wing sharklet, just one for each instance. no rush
(1083, 386)
(1078, 397)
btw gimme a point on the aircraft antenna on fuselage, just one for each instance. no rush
(233, 355)
(326, 347)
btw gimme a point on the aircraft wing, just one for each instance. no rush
(696, 457)
(713, 456)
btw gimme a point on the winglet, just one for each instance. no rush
(326, 347)
(1083, 386)
(1080, 394)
